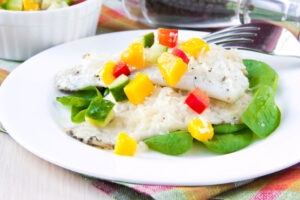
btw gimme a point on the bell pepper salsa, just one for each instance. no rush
(36, 5)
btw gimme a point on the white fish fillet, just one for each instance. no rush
(83, 74)
(219, 73)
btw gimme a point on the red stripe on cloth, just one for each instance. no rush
(282, 182)
(105, 186)
(114, 21)
(3, 75)
(2, 71)
(151, 189)
(108, 14)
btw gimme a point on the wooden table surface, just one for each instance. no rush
(24, 176)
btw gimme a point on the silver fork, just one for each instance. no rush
(262, 37)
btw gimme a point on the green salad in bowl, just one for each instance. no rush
(35, 5)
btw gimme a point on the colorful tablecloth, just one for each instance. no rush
(280, 186)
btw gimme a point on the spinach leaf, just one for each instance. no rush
(79, 102)
(260, 73)
(100, 112)
(174, 143)
(82, 98)
(262, 115)
(104, 91)
(228, 128)
(230, 142)
(78, 114)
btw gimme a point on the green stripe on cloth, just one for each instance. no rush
(159, 192)
(173, 194)
(275, 186)
(281, 183)
(125, 193)
(8, 65)
(292, 192)
(247, 191)
(118, 191)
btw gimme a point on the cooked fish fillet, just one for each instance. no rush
(219, 73)
(83, 74)
(163, 112)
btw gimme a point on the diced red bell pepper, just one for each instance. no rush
(121, 68)
(179, 53)
(167, 37)
(197, 100)
(77, 2)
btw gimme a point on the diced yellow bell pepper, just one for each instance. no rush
(134, 55)
(201, 129)
(195, 47)
(31, 5)
(139, 88)
(171, 68)
(106, 73)
(125, 145)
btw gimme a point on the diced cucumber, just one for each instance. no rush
(100, 112)
(117, 88)
(154, 52)
(147, 40)
(46, 4)
(67, 1)
(14, 5)
(3, 6)
(55, 4)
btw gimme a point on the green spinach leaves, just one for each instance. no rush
(229, 142)
(229, 128)
(79, 102)
(174, 143)
(262, 115)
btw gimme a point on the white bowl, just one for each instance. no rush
(25, 33)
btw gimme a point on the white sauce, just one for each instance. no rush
(205, 129)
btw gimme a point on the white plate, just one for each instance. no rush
(30, 114)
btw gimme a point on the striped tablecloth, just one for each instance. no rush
(281, 185)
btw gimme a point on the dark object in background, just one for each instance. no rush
(189, 11)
